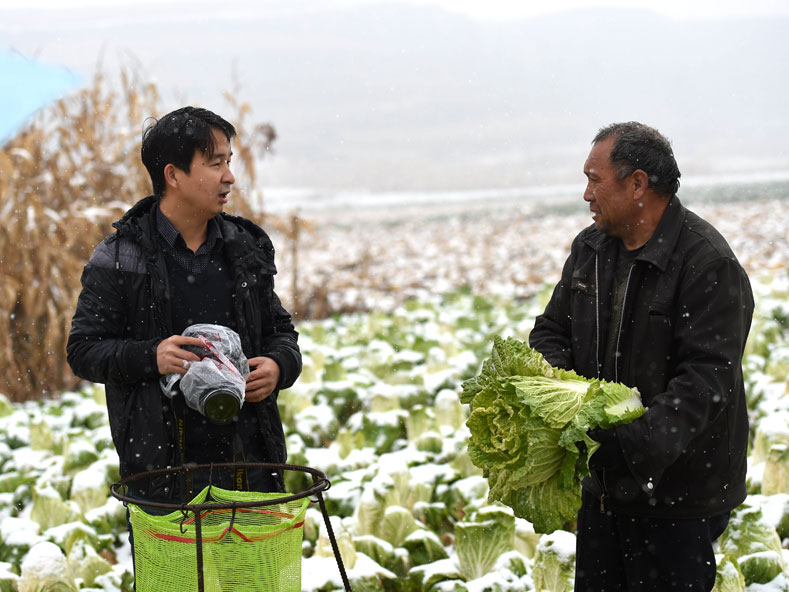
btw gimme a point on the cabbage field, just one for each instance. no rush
(378, 409)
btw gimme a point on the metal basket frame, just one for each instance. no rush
(320, 483)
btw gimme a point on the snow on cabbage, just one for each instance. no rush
(378, 409)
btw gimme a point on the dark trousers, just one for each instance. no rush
(619, 553)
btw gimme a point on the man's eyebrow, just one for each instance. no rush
(221, 156)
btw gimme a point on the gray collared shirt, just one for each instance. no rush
(174, 245)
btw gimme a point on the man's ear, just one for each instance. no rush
(171, 176)
(639, 182)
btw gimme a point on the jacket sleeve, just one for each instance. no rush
(96, 349)
(281, 345)
(551, 333)
(715, 307)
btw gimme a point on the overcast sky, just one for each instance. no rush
(486, 9)
(498, 94)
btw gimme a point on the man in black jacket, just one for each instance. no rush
(653, 297)
(176, 259)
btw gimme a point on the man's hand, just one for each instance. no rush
(172, 358)
(262, 379)
(609, 454)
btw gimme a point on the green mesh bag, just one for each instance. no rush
(261, 550)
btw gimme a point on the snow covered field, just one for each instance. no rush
(377, 409)
(376, 257)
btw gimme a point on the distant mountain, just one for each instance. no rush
(404, 97)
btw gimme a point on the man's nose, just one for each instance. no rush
(588, 193)
(228, 177)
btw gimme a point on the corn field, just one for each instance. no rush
(63, 181)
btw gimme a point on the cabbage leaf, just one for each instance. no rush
(529, 424)
(752, 540)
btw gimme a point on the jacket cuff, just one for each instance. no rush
(609, 455)
(644, 468)
(285, 378)
(139, 360)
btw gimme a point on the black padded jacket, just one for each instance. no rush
(123, 313)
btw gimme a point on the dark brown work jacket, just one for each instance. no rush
(686, 315)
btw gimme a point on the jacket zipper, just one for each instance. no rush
(621, 323)
(597, 359)
(597, 313)
(597, 317)
(601, 484)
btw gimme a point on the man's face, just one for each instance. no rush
(612, 209)
(204, 190)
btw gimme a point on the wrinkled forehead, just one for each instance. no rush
(599, 159)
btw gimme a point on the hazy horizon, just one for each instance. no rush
(400, 97)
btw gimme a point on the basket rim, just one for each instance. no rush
(320, 484)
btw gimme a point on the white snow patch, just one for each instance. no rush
(560, 543)
(320, 572)
(45, 563)
(20, 532)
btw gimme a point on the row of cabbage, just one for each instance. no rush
(377, 409)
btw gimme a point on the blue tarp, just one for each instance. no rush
(26, 85)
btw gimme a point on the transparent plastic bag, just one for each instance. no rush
(215, 385)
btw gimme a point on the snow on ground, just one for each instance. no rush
(401, 437)
(375, 259)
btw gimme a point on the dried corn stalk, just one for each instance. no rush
(62, 183)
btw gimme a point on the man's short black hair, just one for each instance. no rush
(638, 146)
(174, 139)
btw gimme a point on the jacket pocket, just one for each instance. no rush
(660, 328)
(652, 361)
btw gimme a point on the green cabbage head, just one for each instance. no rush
(529, 424)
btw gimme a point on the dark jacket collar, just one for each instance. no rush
(663, 243)
(659, 248)
(243, 239)
(172, 237)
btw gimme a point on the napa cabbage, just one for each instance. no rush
(728, 577)
(480, 542)
(529, 424)
(753, 542)
(554, 563)
(46, 569)
(8, 579)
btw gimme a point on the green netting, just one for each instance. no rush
(262, 550)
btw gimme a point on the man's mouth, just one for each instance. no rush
(223, 197)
